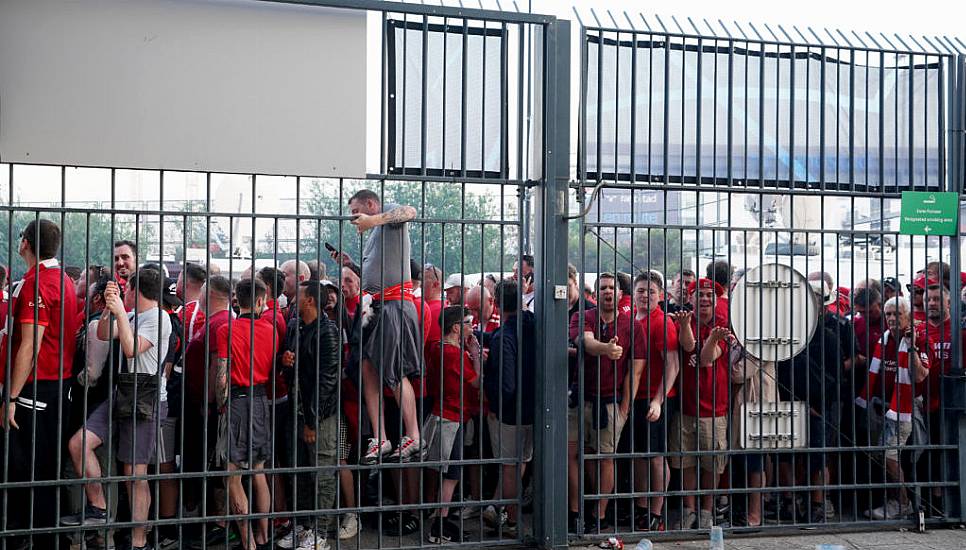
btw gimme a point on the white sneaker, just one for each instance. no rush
(891, 510)
(375, 450)
(410, 450)
(310, 539)
(705, 519)
(289, 540)
(349, 527)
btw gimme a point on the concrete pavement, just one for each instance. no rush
(935, 539)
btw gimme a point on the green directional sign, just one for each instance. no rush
(929, 213)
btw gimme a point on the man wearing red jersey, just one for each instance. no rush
(41, 349)
(614, 349)
(200, 358)
(454, 378)
(480, 303)
(627, 293)
(432, 299)
(243, 369)
(936, 335)
(703, 421)
(653, 402)
(278, 391)
(351, 290)
(190, 282)
(720, 271)
(867, 323)
(4, 297)
(917, 290)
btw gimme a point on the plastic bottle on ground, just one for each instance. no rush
(717, 538)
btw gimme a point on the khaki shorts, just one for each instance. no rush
(895, 434)
(699, 434)
(603, 440)
(504, 439)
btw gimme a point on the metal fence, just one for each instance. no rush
(730, 158)
(760, 154)
(237, 454)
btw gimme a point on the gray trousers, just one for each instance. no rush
(323, 455)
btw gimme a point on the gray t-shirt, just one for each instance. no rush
(147, 327)
(385, 257)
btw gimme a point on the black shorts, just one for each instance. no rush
(244, 430)
(818, 440)
(284, 448)
(644, 436)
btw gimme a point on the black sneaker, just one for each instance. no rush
(451, 529)
(398, 524)
(438, 534)
(92, 515)
(642, 518)
(816, 513)
(655, 522)
(779, 510)
(215, 537)
(596, 524)
(572, 519)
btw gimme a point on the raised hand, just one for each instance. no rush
(682, 317)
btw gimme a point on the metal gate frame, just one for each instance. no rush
(949, 54)
(547, 174)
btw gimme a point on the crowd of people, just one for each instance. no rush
(663, 379)
(237, 401)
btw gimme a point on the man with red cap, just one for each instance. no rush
(703, 420)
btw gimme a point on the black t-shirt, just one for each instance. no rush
(817, 374)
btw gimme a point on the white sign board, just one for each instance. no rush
(212, 85)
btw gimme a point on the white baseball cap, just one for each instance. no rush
(823, 290)
(453, 281)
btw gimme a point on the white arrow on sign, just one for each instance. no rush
(927, 229)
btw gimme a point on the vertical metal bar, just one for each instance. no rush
(632, 165)
(550, 496)
(956, 400)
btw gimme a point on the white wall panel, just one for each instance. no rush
(216, 85)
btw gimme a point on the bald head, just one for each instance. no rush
(292, 279)
(432, 282)
(480, 303)
(215, 294)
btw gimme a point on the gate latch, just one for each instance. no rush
(773, 341)
(791, 413)
(771, 284)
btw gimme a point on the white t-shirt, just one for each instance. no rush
(147, 327)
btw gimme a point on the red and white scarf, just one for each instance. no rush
(901, 400)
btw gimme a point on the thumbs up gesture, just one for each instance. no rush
(614, 350)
